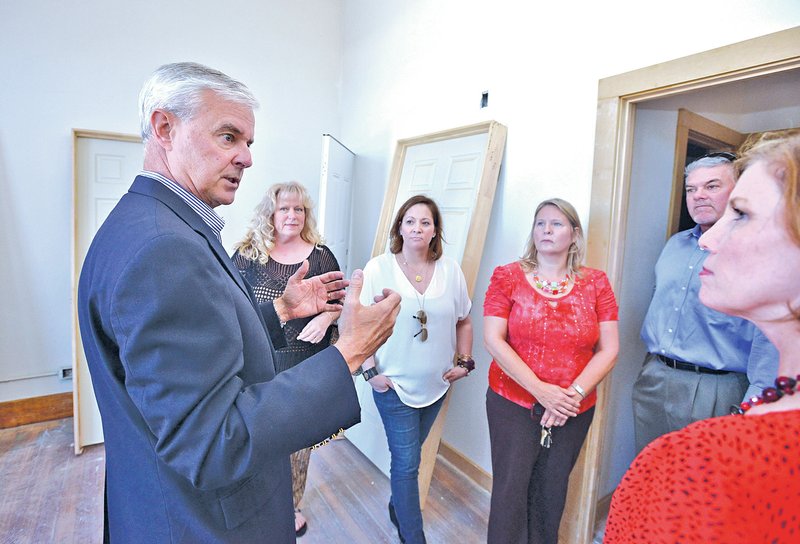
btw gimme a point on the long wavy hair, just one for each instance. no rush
(577, 249)
(259, 240)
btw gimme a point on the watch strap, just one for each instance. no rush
(370, 373)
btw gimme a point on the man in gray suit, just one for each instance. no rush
(198, 428)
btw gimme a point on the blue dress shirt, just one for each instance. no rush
(679, 326)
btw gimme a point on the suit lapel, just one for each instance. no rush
(150, 187)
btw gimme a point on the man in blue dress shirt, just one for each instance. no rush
(700, 361)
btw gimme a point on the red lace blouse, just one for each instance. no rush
(724, 479)
(555, 338)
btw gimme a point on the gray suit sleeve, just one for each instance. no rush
(198, 369)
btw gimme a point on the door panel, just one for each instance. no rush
(448, 171)
(105, 165)
(335, 197)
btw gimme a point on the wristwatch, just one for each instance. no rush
(370, 373)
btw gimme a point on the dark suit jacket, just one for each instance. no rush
(198, 428)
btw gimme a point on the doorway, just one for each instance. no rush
(626, 154)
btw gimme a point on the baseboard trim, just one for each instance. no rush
(35, 409)
(465, 465)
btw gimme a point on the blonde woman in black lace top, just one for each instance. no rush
(281, 236)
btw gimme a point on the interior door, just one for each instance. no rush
(335, 198)
(105, 164)
(449, 172)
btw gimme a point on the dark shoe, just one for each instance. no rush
(393, 518)
(303, 528)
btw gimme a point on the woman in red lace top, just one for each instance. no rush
(734, 478)
(551, 326)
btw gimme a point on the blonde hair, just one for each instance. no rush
(577, 249)
(259, 240)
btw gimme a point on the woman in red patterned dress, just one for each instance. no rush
(551, 326)
(734, 478)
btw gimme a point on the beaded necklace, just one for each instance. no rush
(552, 287)
(784, 385)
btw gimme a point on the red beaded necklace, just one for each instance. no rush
(784, 385)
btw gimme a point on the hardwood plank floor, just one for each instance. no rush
(49, 495)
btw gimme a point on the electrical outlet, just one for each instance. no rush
(65, 373)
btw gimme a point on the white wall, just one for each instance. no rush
(419, 66)
(71, 65)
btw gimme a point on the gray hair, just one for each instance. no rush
(178, 88)
(706, 162)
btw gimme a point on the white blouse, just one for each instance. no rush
(415, 367)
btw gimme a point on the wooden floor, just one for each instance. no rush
(49, 495)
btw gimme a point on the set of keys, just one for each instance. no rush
(547, 437)
(537, 411)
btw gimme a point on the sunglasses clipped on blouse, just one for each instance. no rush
(423, 323)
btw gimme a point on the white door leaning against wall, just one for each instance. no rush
(105, 166)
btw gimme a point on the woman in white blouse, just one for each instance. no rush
(429, 349)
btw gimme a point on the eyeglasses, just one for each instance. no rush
(423, 323)
(723, 154)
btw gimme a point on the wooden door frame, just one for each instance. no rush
(75, 271)
(618, 97)
(695, 128)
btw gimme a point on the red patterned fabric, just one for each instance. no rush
(724, 479)
(555, 338)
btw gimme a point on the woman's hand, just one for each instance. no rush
(381, 383)
(556, 399)
(455, 373)
(315, 330)
(552, 419)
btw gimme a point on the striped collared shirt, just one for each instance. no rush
(206, 212)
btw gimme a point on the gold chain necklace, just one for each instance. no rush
(418, 277)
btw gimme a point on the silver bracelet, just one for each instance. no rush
(579, 389)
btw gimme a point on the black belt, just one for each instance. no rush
(680, 365)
